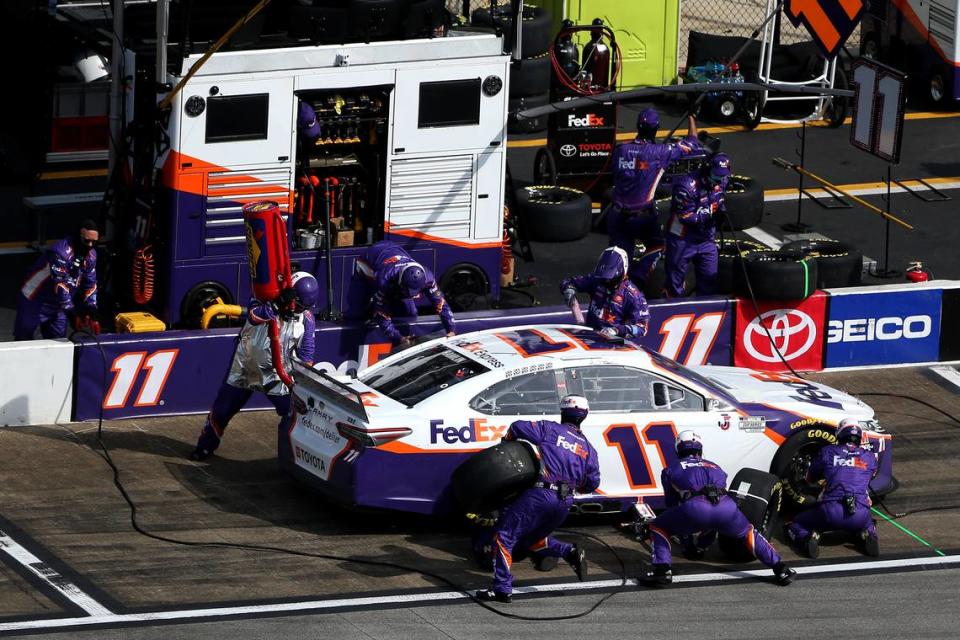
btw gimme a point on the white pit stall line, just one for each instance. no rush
(401, 599)
(947, 373)
(45, 572)
(816, 192)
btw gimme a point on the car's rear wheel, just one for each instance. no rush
(759, 496)
(791, 462)
(490, 478)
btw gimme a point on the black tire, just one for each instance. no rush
(465, 287)
(937, 90)
(199, 297)
(729, 255)
(805, 443)
(531, 76)
(836, 109)
(527, 125)
(488, 479)
(759, 496)
(775, 275)
(553, 213)
(744, 200)
(752, 104)
(545, 167)
(838, 264)
(535, 22)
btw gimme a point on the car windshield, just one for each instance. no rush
(422, 374)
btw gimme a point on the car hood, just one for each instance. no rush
(785, 392)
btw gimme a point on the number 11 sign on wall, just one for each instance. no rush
(878, 103)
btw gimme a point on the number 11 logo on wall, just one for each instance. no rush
(878, 103)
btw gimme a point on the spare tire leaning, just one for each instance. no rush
(489, 478)
(775, 275)
(744, 202)
(838, 263)
(531, 76)
(537, 27)
(759, 496)
(526, 125)
(729, 254)
(553, 213)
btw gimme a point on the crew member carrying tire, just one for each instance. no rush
(697, 501)
(846, 470)
(692, 228)
(252, 368)
(398, 281)
(617, 306)
(637, 169)
(568, 463)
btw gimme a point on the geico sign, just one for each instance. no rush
(868, 329)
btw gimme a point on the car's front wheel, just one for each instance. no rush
(792, 460)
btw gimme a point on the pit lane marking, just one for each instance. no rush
(387, 601)
(862, 189)
(948, 373)
(51, 577)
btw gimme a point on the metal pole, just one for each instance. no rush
(118, 82)
(799, 226)
(887, 272)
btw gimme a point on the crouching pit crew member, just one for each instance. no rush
(617, 306)
(698, 508)
(252, 368)
(568, 463)
(846, 470)
(398, 282)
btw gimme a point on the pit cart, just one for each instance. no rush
(580, 141)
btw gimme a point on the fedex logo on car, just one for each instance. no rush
(589, 120)
(573, 447)
(477, 430)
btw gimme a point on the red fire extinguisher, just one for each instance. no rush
(915, 272)
(267, 249)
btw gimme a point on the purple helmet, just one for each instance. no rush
(612, 266)
(689, 442)
(648, 121)
(412, 279)
(719, 167)
(685, 191)
(849, 431)
(307, 288)
(574, 409)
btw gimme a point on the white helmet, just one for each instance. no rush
(574, 409)
(689, 441)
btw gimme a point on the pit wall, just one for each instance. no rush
(178, 372)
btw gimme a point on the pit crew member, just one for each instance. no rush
(252, 367)
(617, 306)
(568, 463)
(638, 167)
(398, 281)
(691, 228)
(846, 469)
(697, 503)
(61, 287)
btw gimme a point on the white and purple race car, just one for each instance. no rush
(393, 437)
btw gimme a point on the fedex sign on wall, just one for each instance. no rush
(884, 328)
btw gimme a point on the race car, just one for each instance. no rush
(393, 437)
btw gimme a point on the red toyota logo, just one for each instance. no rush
(792, 332)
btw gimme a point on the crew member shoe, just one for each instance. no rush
(812, 545)
(546, 563)
(489, 595)
(199, 455)
(578, 560)
(783, 574)
(659, 576)
(871, 544)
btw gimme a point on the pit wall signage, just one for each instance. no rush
(783, 331)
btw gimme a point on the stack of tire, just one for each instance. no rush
(552, 213)
(530, 77)
(797, 269)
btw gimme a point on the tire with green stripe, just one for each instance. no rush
(775, 275)
(838, 264)
(729, 254)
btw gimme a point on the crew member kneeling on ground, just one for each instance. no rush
(694, 212)
(252, 368)
(638, 167)
(698, 505)
(846, 470)
(61, 288)
(617, 306)
(398, 280)
(568, 463)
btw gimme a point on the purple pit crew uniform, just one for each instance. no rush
(690, 237)
(687, 484)
(568, 462)
(638, 167)
(60, 282)
(623, 309)
(847, 469)
(252, 370)
(390, 269)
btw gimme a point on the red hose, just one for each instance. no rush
(276, 350)
(143, 275)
